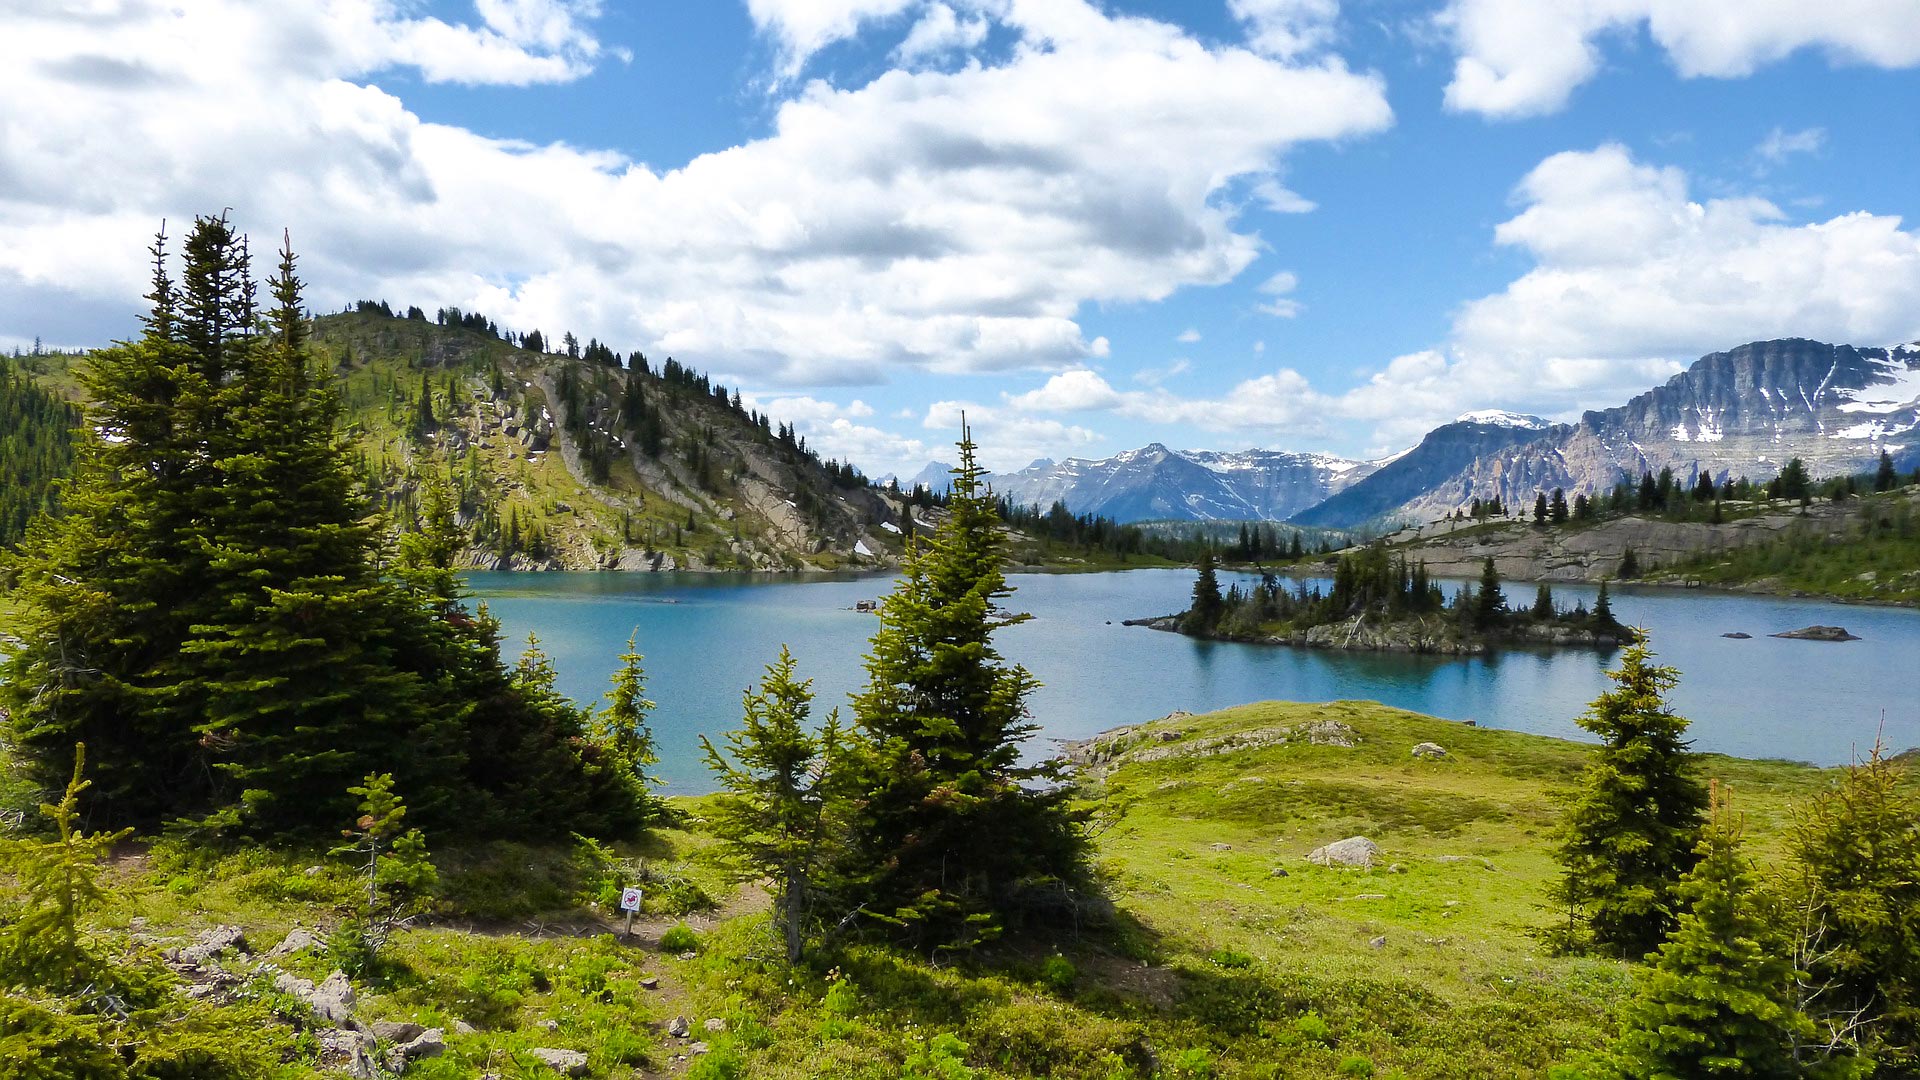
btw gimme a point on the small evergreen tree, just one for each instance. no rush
(1885, 478)
(1203, 614)
(1489, 602)
(41, 945)
(1603, 617)
(1629, 832)
(1719, 998)
(776, 775)
(622, 728)
(1543, 602)
(1557, 510)
(398, 870)
(1858, 849)
(1629, 564)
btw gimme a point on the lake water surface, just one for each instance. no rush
(707, 637)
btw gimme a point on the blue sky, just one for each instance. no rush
(1296, 224)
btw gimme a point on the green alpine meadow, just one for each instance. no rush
(278, 805)
(960, 540)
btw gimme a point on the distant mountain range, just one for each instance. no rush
(1744, 412)
(1155, 483)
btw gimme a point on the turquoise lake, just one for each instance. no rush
(707, 637)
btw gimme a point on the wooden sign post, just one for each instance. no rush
(630, 903)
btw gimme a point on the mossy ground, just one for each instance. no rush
(1424, 966)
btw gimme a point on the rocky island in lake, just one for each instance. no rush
(1379, 602)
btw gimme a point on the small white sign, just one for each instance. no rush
(630, 898)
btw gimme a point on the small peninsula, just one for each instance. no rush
(1379, 602)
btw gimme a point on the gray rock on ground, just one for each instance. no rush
(1428, 750)
(564, 1062)
(297, 940)
(331, 1001)
(430, 1043)
(1355, 851)
(679, 1027)
(396, 1031)
(212, 943)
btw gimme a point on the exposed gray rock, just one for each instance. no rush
(1738, 636)
(679, 1027)
(564, 1062)
(1429, 750)
(331, 1001)
(430, 1043)
(1355, 851)
(396, 1031)
(1819, 633)
(297, 940)
(715, 1024)
(212, 943)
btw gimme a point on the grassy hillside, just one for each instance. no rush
(1868, 551)
(581, 464)
(1234, 957)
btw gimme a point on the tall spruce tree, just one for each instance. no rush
(212, 617)
(108, 589)
(952, 837)
(302, 689)
(1630, 831)
(1719, 1000)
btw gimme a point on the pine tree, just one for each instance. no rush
(1629, 833)
(41, 945)
(1885, 478)
(622, 729)
(1718, 1000)
(1540, 508)
(1543, 602)
(954, 838)
(1603, 617)
(294, 651)
(1558, 509)
(215, 618)
(1489, 602)
(108, 589)
(1858, 849)
(1203, 614)
(773, 817)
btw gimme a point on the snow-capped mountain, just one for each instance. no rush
(1155, 483)
(1744, 412)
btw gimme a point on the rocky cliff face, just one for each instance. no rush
(1744, 412)
(1155, 483)
(1442, 471)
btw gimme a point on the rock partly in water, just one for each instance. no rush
(1738, 636)
(1355, 851)
(1819, 633)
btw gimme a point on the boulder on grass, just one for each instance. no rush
(1354, 851)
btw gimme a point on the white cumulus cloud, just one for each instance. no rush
(1525, 57)
(932, 220)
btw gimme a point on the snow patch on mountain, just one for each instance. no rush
(1502, 418)
(1900, 390)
